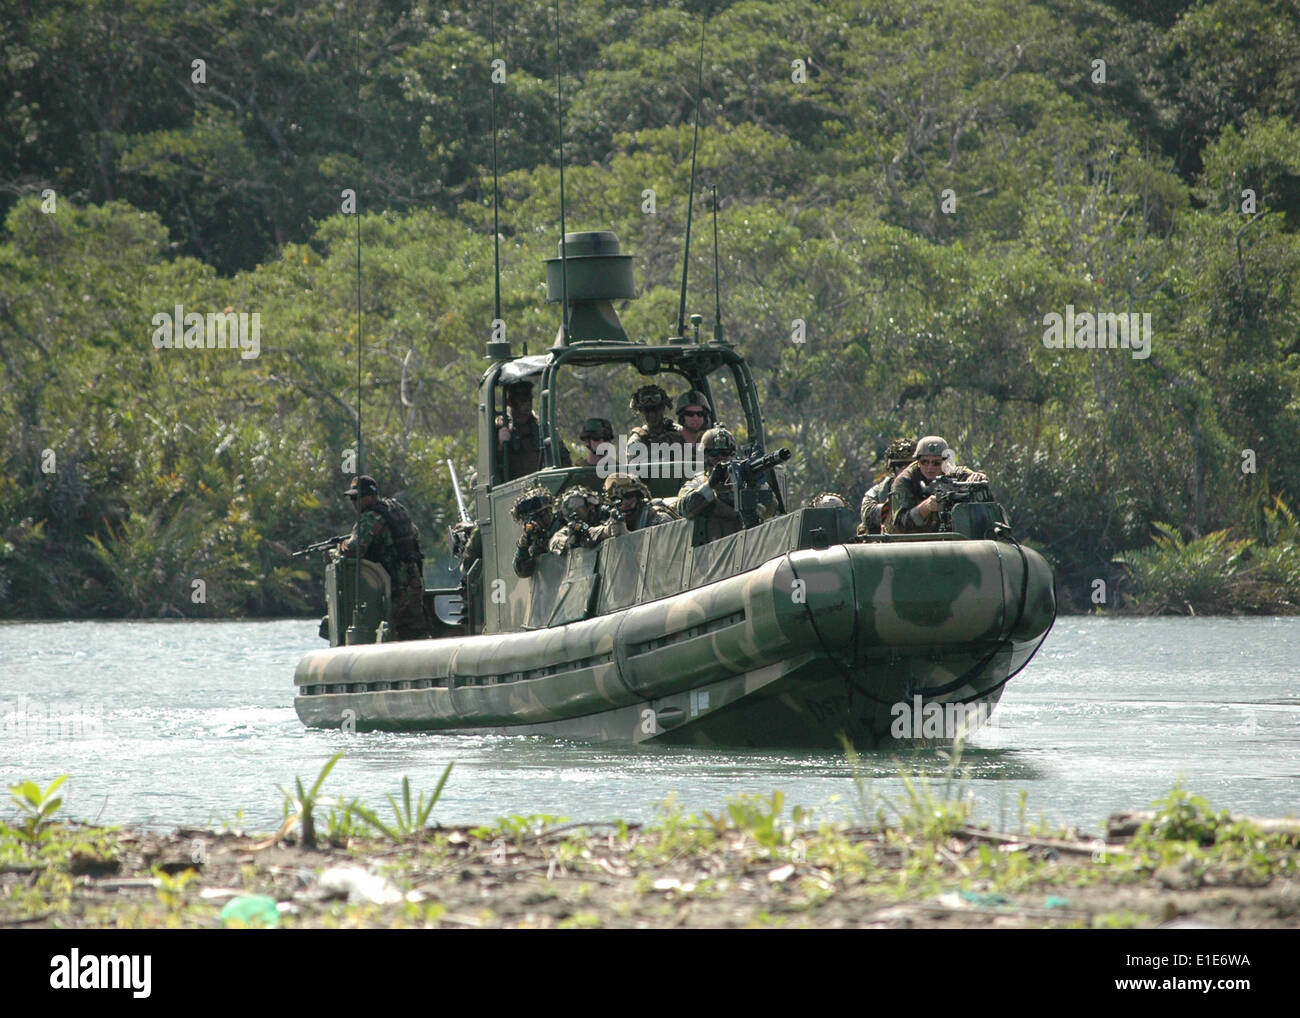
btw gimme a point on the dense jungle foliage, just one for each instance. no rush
(920, 183)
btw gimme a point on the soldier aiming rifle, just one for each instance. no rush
(534, 511)
(747, 476)
(726, 496)
(325, 545)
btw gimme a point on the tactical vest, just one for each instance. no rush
(401, 529)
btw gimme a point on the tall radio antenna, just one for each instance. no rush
(717, 277)
(354, 631)
(690, 200)
(564, 247)
(496, 226)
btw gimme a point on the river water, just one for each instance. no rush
(169, 724)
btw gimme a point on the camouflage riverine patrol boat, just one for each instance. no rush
(788, 633)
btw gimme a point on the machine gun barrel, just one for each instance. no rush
(949, 492)
(759, 464)
(460, 500)
(329, 542)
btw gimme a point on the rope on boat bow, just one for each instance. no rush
(960, 680)
(830, 655)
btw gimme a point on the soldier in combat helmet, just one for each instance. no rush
(385, 534)
(875, 503)
(694, 416)
(596, 431)
(630, 506)
(653, 403)
(910, 511)
(535, 512)
(708, 497)
(581, 509)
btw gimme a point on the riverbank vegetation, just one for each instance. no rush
(922, 861)
(922, 189)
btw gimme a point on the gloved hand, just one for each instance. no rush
(720, 474)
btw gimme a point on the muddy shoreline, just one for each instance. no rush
(749, 868)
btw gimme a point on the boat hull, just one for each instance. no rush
(807, 649)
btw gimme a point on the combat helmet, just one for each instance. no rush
(932, 445)
(597, 427)
(900, 452)
(718, 439)
(828, 500)
(532, 502)
(693, 397)
(574, 499)
(648, 397)
(618, 485)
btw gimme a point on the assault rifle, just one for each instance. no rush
(533, 529)
(746, 477)
(581, 532)
(949, 493)
(329, 542)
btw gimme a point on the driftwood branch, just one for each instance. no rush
(1125, 825)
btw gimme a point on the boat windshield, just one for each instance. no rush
(603, 390)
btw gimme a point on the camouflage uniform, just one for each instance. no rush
(573, 535)
(651, 397)
(646, 513)
(522, 451)
(875, 506)
(533, 543)
(384, 533)
(905, 495)
(668, 432)
(578, 532)
(713, 511)
(875, 509)
(534, 510)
